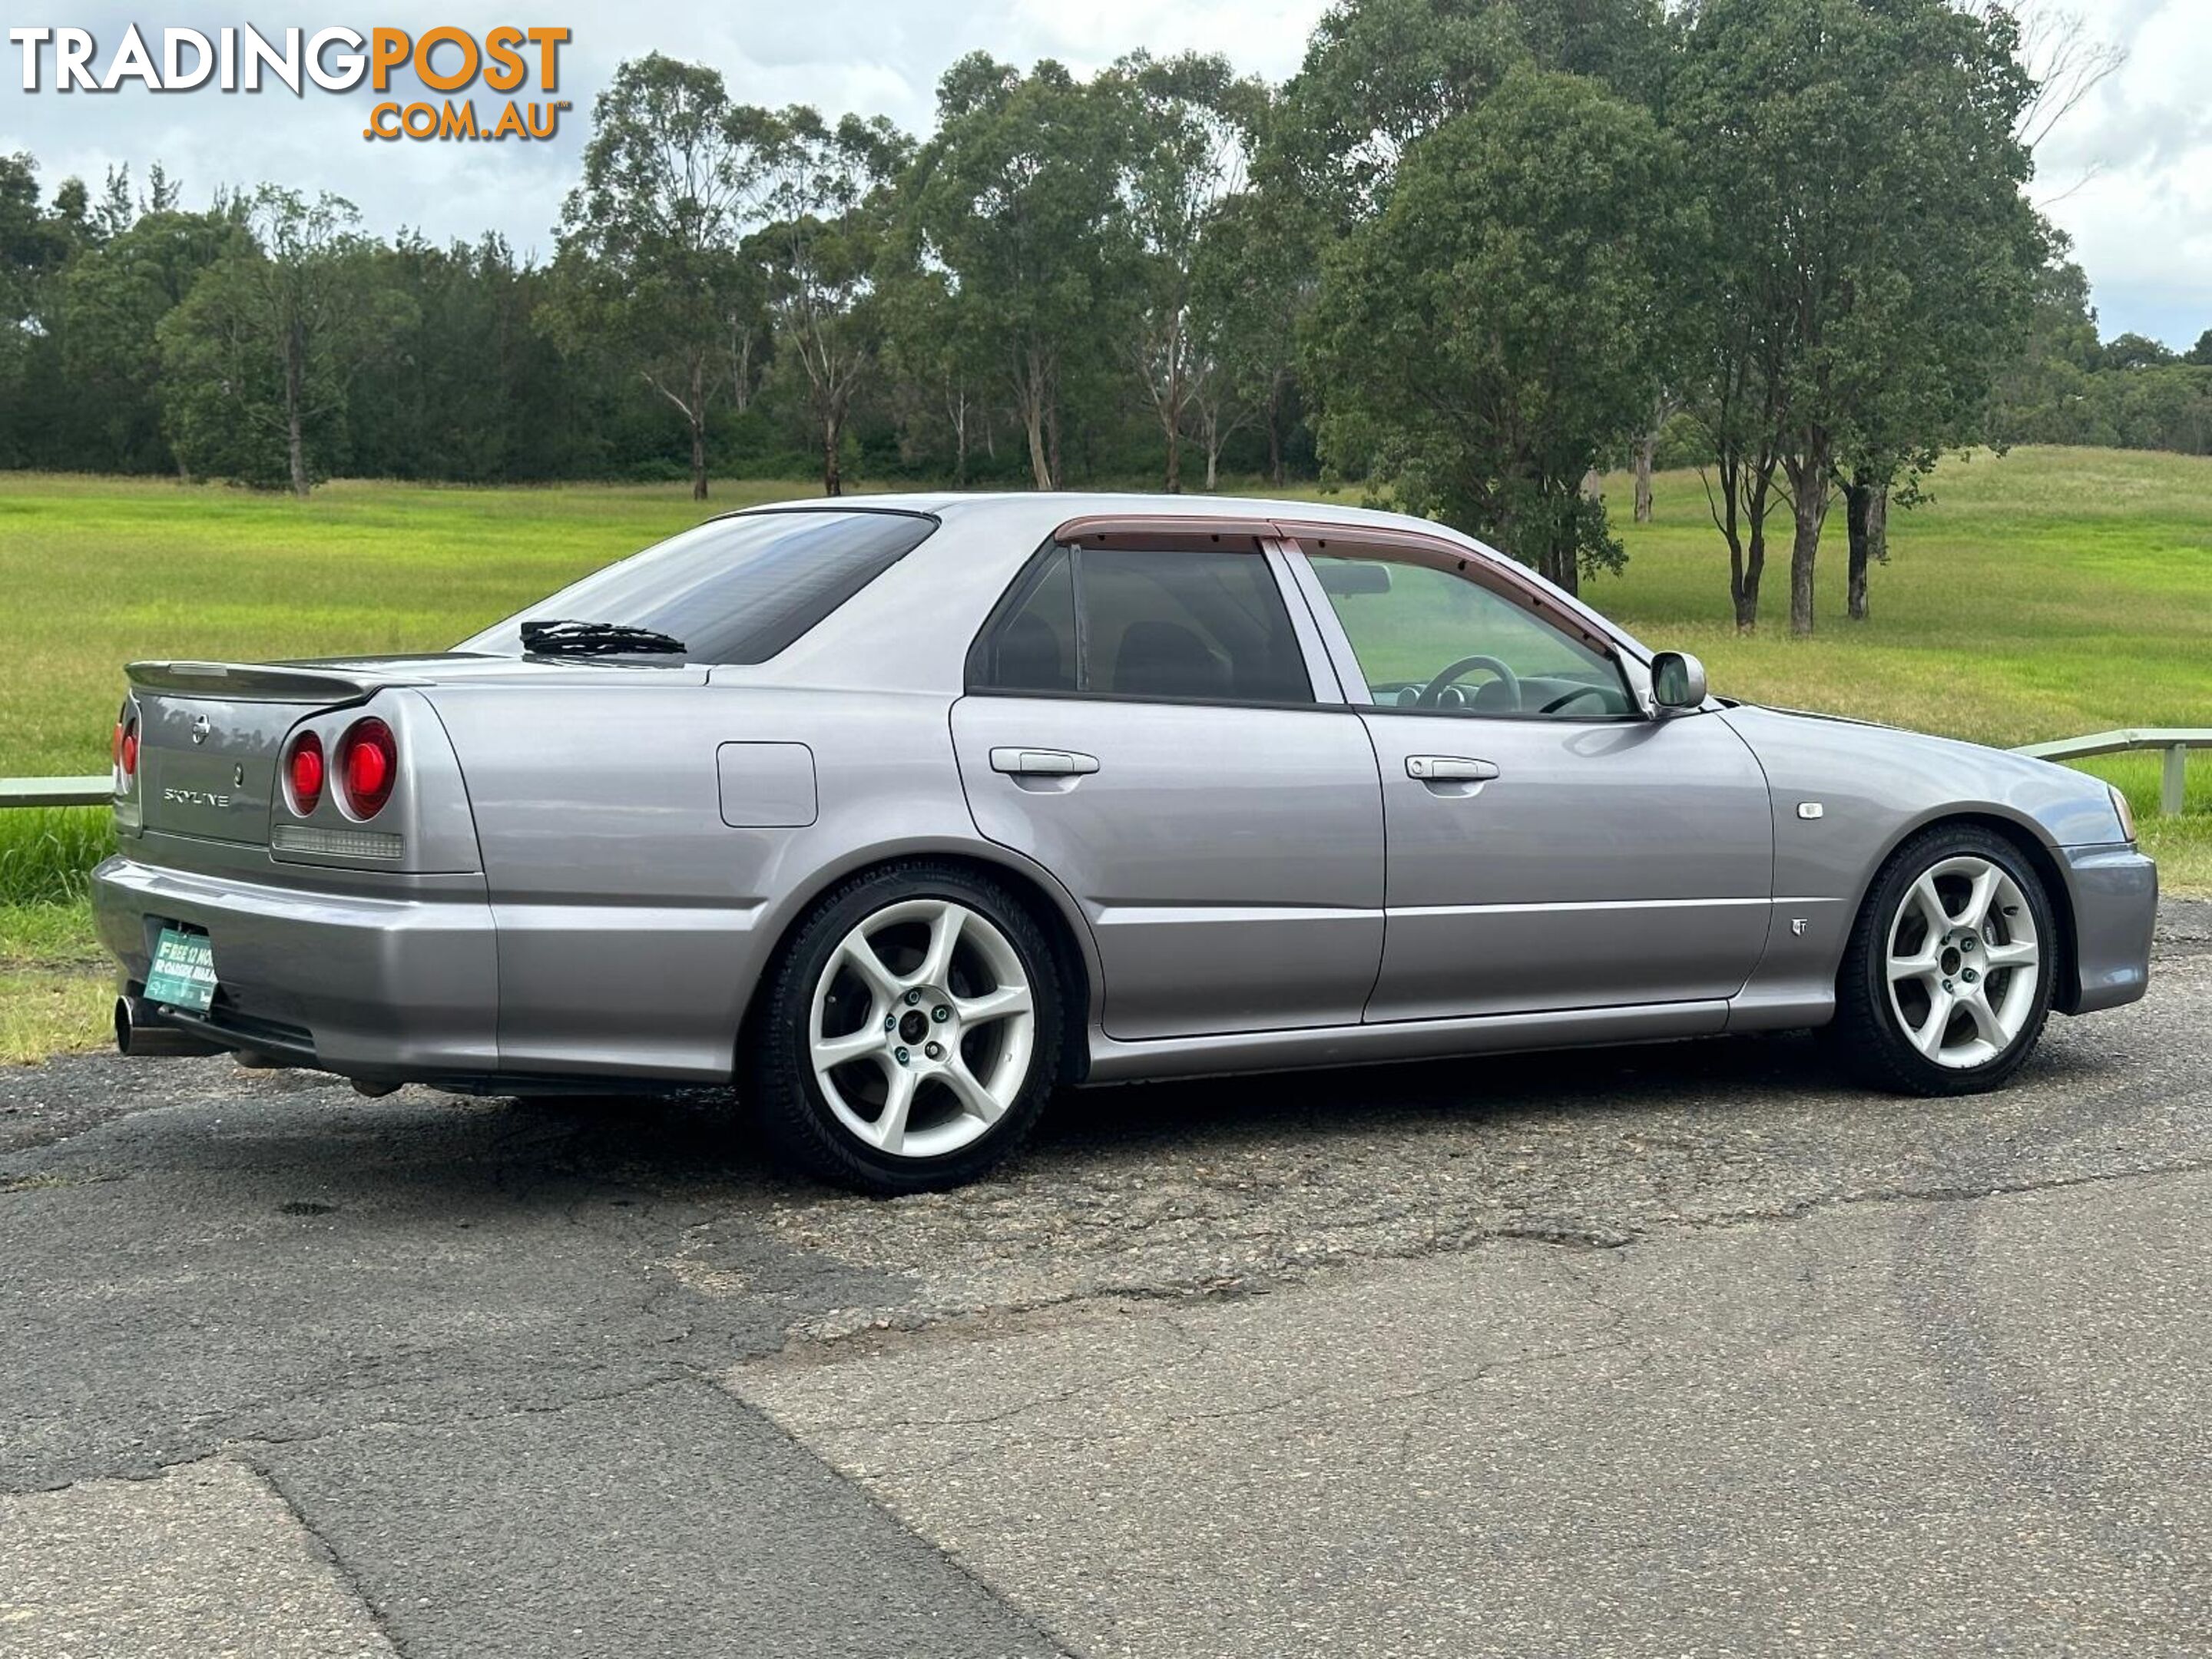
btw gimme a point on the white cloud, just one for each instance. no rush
(2143, 225)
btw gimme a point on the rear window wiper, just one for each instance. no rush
(569, 638)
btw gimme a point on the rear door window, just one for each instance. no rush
(735, 590)
(1198, 626)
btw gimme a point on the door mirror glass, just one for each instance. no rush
(1678, 680)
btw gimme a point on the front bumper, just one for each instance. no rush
(356, 983)
(2114, 893)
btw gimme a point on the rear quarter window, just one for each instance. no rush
(735, 590)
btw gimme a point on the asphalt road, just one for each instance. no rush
(1687, 1350)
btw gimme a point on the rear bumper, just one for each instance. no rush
(361, 985)
(2115, 902)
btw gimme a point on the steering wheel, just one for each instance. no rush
(1433, 692)
(1558, 703)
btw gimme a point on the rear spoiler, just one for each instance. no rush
(256, 682)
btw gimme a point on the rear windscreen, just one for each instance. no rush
(735, 590)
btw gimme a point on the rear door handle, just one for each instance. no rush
(1448, 769)
(1042, 763)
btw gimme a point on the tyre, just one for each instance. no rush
(1947, 980)
(909, 1032)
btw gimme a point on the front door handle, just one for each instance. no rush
(1042, 763)
(1448, 769)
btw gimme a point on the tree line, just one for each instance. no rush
(1472, 251)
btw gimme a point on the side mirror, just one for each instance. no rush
(1678, 680)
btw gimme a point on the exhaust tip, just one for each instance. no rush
(139, 1035)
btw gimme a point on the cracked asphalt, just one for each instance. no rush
(1682, 1350)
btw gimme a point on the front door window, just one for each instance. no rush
(1429, 638)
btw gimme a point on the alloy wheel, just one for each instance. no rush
(1963, 962)
(921, 1029)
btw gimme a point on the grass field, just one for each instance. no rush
(2041, 594)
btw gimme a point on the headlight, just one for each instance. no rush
(2127, 812)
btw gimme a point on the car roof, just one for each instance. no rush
(1051, 508)
(911, 628)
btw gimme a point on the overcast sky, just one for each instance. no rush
(2142, 222)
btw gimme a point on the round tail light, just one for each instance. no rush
(303, 773)
(126, 751)
(368, 765)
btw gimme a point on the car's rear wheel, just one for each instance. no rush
(1946, 982)
(910, 1032)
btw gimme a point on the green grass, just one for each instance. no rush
(55, 988)
(96, 572)
(46, 854)
(2041, 594)
(55, 992)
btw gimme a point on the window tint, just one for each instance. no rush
(1033, 649)
(1412, 625)
(1207, 625)
(735, 590)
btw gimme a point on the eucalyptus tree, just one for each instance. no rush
(1503, 324)
(1874, 247)
(257, 361)
(1257, 277)
(940, 362)
(1734, 370)
(1664, 408)
(1380, 74)
(829, 221)
(1190, 121)
(2065, 61)
(1017, 199)
(36, 243)
(113, 299)
(649, 266)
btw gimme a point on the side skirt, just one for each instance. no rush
(1116, 1061)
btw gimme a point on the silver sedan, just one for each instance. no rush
(897, 814)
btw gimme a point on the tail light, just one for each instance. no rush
(368, 767)
(126, 749)
(303, 773)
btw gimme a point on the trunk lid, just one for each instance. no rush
(210, 737)
(211, 734)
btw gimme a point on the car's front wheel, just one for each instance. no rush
(910, 1032)
(1946, 982)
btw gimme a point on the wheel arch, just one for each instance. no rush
(1049, 904)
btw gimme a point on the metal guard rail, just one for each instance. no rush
(96, 790)
(2175, 740)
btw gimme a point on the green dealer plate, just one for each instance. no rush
(183, 974)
